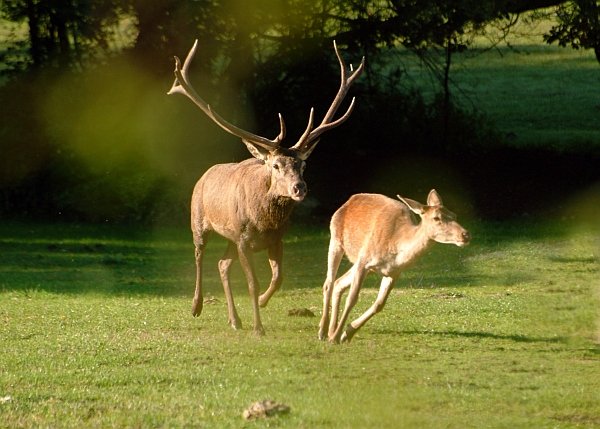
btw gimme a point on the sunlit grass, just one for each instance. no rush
(536, 94)
(503, 332)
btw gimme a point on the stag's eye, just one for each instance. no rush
(437, 219)
(276, 167)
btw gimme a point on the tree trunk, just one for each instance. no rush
(34, 34)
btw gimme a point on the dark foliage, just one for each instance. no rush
(111, 146)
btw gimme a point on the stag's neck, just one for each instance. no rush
(273, 210)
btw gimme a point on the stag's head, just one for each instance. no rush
(439, 222)
(286, 165)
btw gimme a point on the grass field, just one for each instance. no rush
(536, 94)
(96, 331)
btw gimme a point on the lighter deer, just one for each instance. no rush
(379, 235)
(249, 203)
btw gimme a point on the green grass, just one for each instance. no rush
(96, 331)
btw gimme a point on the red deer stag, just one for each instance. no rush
(249, 203)
(378, 235)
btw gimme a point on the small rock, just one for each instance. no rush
(5, 400)
(301, 312)
(265, 409)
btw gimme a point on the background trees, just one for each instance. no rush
(88, 133)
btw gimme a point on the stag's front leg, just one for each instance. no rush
(387, 283)
(231, 254)
(247, 261)
(275, 259)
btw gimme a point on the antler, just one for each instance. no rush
(183, 86)
(310, 136)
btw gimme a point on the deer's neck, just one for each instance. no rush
(412, 244)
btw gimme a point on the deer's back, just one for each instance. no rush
(371, 224)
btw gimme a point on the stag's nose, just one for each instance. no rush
(299, 191)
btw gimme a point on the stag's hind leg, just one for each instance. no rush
(387, 283)
(200, 240)
(231, 254)
(246, 256)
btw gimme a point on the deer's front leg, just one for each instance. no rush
(231, 254)
(247, 261)
(387, 283)
(275, 259)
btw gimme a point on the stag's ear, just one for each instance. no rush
(434, 199)
(415, 206)
(256, 150)
(304, 154)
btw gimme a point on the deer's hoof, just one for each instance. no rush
(236, 323)
(348, 334)
(263, 301)
(259, 332)
(197, 307)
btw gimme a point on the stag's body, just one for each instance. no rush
(241, 203)
(249, 203)
(379, 235)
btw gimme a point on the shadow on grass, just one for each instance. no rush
(116, 259)
(483, 335)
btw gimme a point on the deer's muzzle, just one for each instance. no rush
(299, 191)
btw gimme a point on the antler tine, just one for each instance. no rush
(282, 131)
(310, 125)
(183, 86)
(346, 82)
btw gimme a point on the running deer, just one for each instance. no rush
(249, 203)
(379, 235)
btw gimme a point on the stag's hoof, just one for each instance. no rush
(259, 332)
(197, 307)
(236, 323)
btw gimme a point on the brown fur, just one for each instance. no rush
(379, 235)
(248, 203)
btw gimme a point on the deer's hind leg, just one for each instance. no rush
(230, 256)
(353, 279)
(201, 237)
(334, 258)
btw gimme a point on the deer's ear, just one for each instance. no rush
(257, 151)
(413, 205)
(434, 199)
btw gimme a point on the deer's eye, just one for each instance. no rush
(437, 219)
(276, 167)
